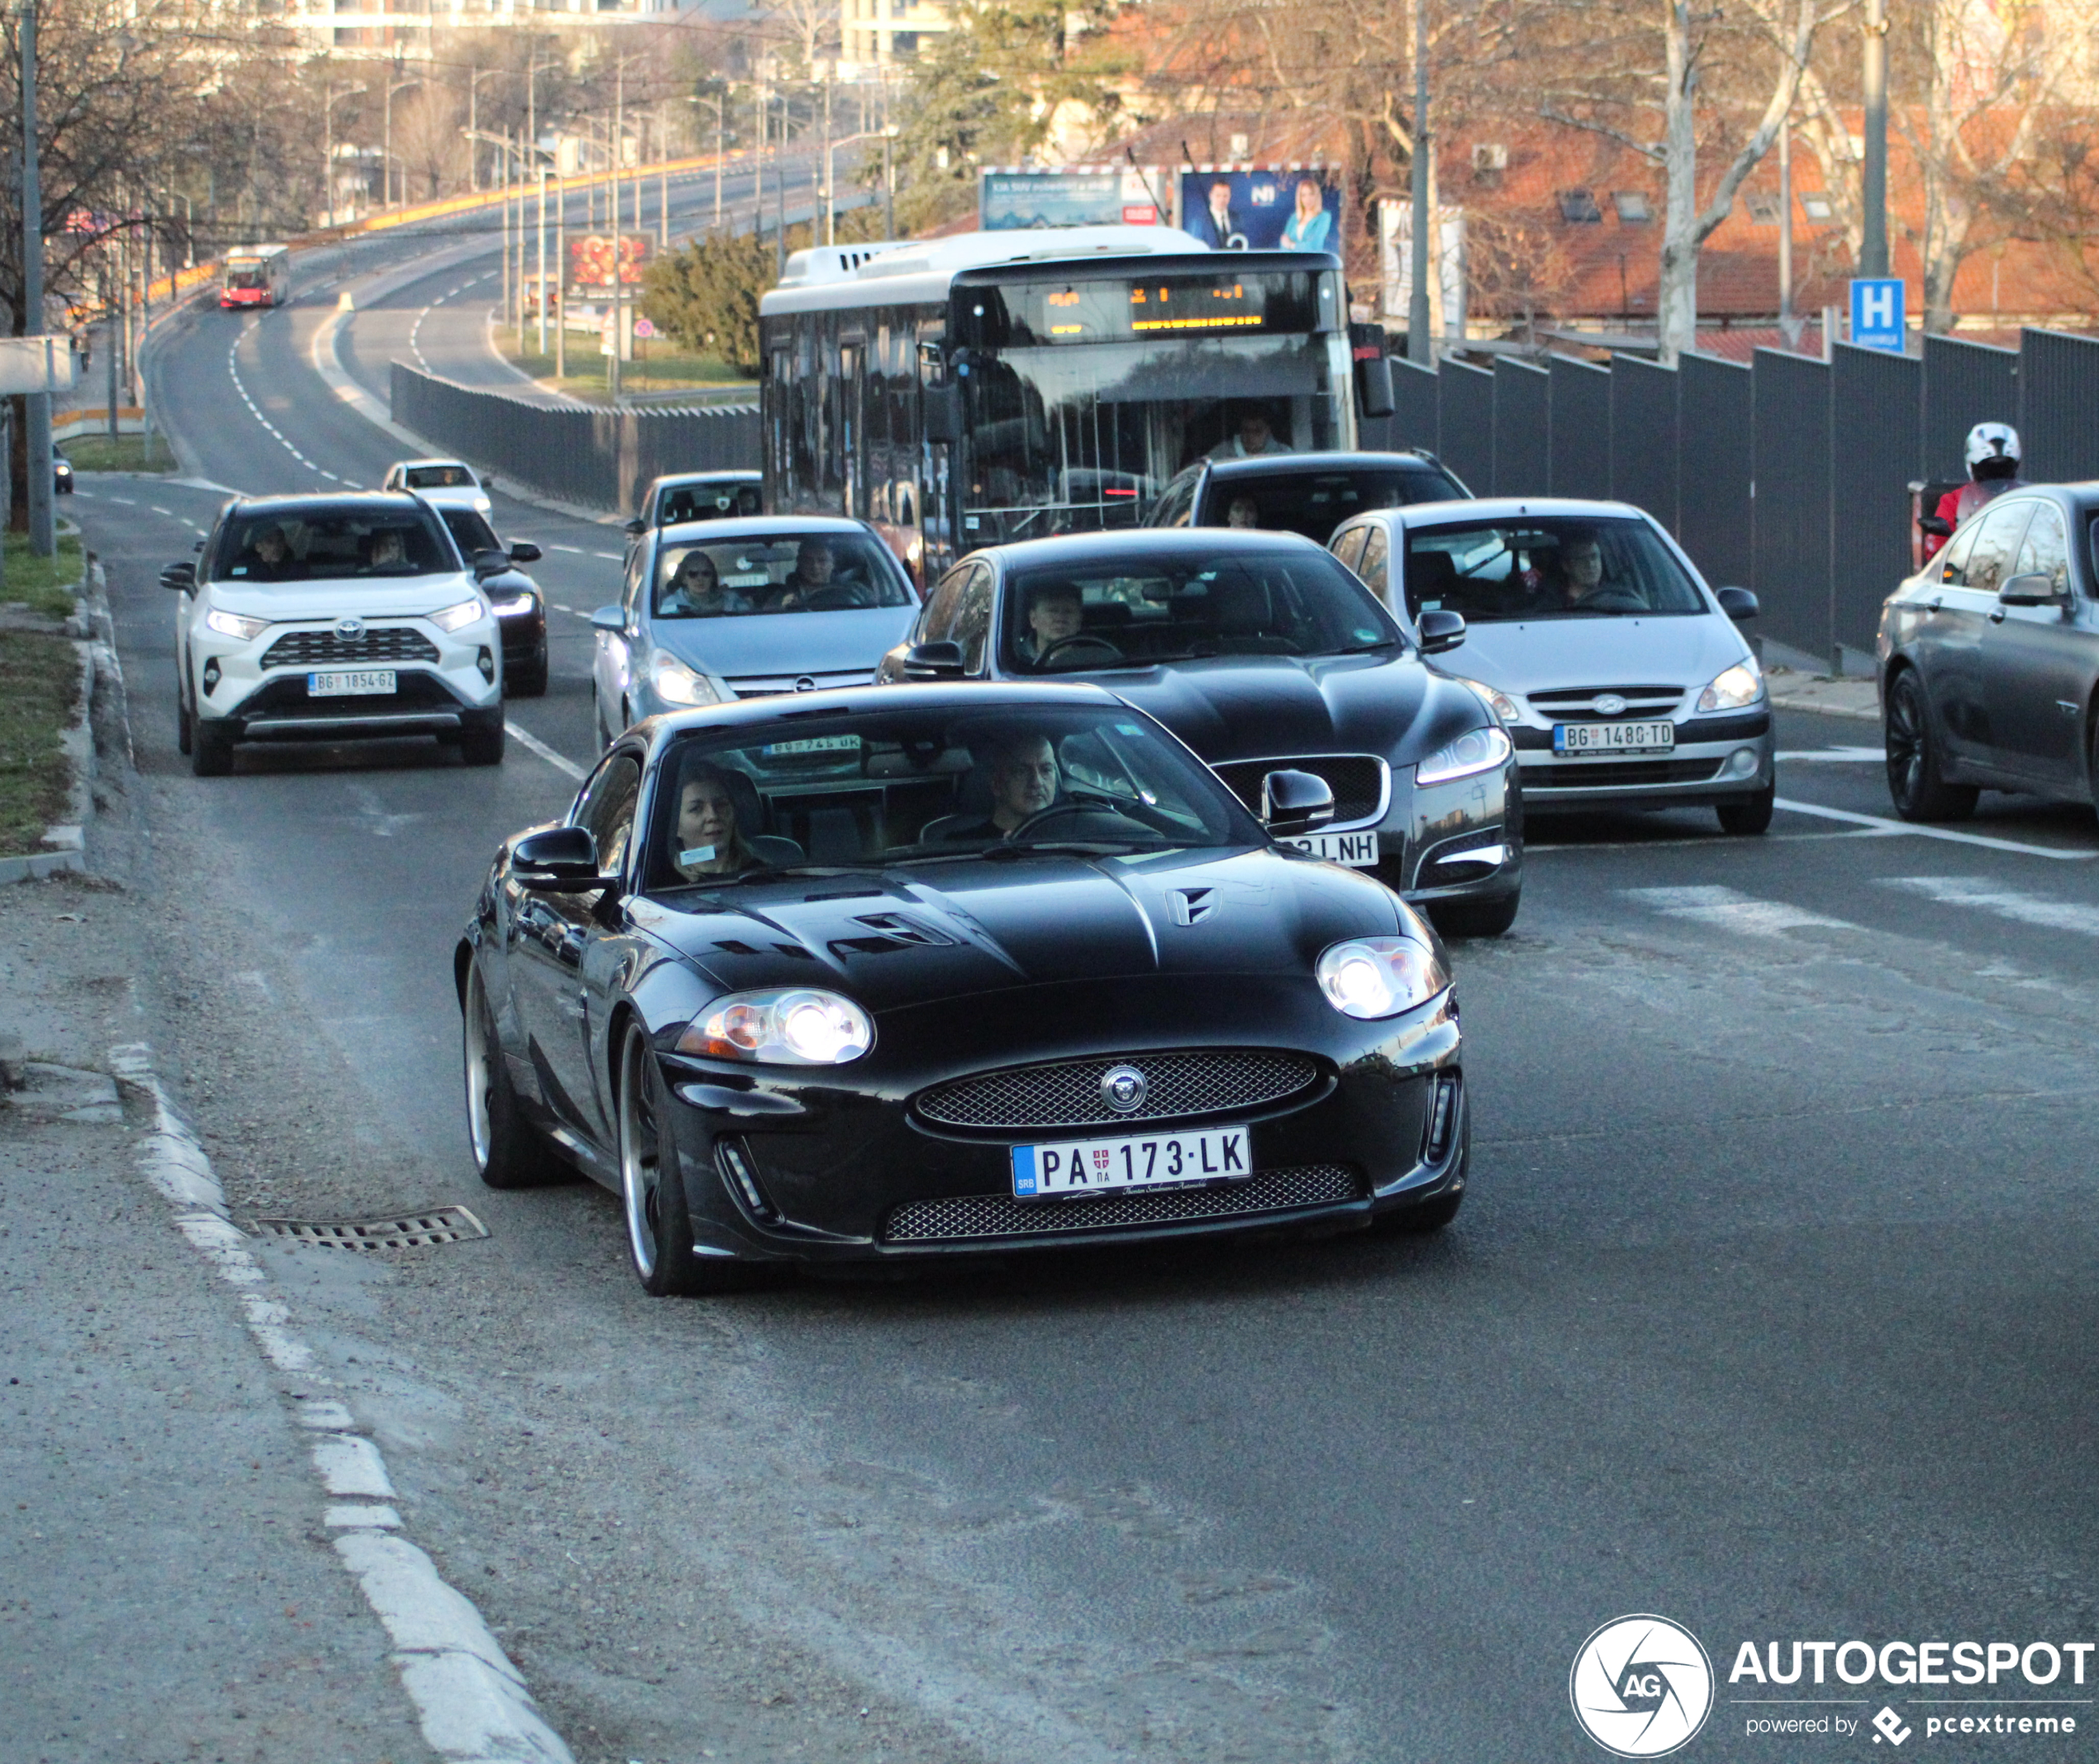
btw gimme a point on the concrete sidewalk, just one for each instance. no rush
(167, 1590)
(1859, 699)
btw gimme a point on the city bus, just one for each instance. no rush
(256, 276)
(987, 387)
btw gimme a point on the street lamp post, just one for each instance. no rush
(43, 536)
(542, 171)
(1420, 349)
(1873, 250)
(386, 150)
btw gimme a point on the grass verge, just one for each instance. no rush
(658, 366)
(40, 685)
(128, 452)
(40, 582)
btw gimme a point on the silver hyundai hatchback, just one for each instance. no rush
(1620, 675)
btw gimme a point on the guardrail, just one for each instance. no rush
(1789, 477)
(601, 458)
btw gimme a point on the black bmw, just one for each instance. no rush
(1260, 650)
(880, 976)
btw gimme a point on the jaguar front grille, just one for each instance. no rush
(1069, 1093)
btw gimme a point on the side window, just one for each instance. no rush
(637, 572)
(1989, 563)
(1349, 547)
(2046, 551)
(1376, 556)
(607, 807)
(1177, 501)
(972, 619)
(937, 622)
(1953, 561)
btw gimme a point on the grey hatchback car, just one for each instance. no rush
(1619, 675)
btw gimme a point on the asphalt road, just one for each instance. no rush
(1770, 1309)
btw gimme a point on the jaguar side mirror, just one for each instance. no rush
(933, 661)
(2032, 590)
(1739, 604)
(182, 577)
(611, 619)
(525, 552)
(1295, 802)
(1441, 631)
(562, 859)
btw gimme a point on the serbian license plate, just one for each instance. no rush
(1613, 738)
(364, 683)
(1092, 1167)
(1357, 848)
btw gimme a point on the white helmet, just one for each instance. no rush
(1991, 441)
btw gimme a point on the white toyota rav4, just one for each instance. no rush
(332, 619)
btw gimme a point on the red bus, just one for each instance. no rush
(256, 276)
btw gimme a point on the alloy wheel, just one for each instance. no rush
(641, 1158)
(1906, 742)
(475, 1036)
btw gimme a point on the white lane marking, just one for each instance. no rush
(124, 501)
(1852, 755)
(415, 331)
(89, 494)
(610, 556)
(560, 762)
(233, 369)
(559, 606)
(159, 509)
(332, 477)
(1911, 829)
(470, 1698)
(574, 550)
(2006, 903)
(1733, 910)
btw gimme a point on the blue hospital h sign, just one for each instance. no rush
(1877, 314)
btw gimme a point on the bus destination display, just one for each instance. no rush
(1164, 306)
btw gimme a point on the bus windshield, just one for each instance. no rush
(247, 272)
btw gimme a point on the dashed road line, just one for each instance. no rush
(573, 550)
(1842, 755)
(1911, 829)
(159, 509)
(2006, 903)
(469, 1697)
(610, 556)
(124, 501)
(560, 762)
(1733, 910)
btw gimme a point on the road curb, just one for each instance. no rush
(469, 1696)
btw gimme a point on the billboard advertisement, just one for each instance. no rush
(1291, 208)
(590, 263)
(1017, 197)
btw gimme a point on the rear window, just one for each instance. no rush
(329, 544)
(1314, 503)
(717, 502)
(438, 478)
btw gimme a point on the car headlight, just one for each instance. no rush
(232, 625)
(1742, 684)
(799, 1027)
(456, 618)
(1498, 701)
(1475, 750)
(1380, 977)
(509, 609)
(678, 684)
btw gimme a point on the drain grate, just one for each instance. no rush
(443, 1224)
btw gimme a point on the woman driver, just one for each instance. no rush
(695, 587)
(706, 842)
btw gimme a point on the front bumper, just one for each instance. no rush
(801, 1168)
(1717, 758)
(460, 688)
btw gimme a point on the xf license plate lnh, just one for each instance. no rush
(1085, 1167)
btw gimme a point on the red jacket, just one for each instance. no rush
(1956, 505)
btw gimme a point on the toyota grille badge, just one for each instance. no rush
(349, 629)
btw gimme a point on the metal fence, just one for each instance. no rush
(1789, 477)
(600, 459)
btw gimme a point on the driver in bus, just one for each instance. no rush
(1255, 440)
(1055, 611)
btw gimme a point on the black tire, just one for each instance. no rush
(482, 744)
(509, 1151)
(1748, 815)
(1914, 782)
(652, 1186)
(1475, 918)
(182, 719)
(210, 749)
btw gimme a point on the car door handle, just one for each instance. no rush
(1996, 615)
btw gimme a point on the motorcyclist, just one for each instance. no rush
(1993, 454)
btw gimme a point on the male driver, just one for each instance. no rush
(814, 562)
(1055, 611)
(1255, 440)
(1024, 782)
(1582, 586)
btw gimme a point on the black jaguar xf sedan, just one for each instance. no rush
(1260, 650)
(879, 977)
(1989, 658)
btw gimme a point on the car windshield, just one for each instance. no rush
(1546, 568)
(706, 502)
(868, 788)
(776, 572)
(438, 478)
(469, 532)
(1314, 503)
(296, 544)
(1135, 610)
